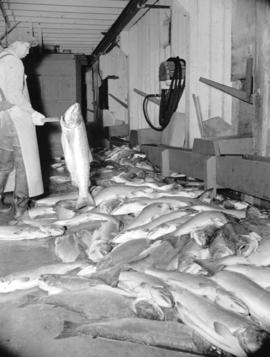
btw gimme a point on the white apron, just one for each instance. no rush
(26, 132)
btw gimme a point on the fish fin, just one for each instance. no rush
(204, 285)
(235, 300)
(222, 330)
(31, 299)
(69, 329)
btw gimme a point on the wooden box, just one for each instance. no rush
(144, 136)
(231, 145)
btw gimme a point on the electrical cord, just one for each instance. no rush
(169, 98)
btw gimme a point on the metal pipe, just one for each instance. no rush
(132, 8)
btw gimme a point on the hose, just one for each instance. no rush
(169, 98)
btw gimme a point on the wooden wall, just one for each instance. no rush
(251, 36)
(147, 45)
(54, 82)
(209, 48)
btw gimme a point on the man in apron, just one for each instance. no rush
(20, 170)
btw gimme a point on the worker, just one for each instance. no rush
(20, 170)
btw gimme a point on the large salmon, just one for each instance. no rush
(26, 231)
(225, 329)
(201, 285)
(259, 274)
(28, 279)
(77, 153)
(253, 295)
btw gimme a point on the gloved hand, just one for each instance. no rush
(37, 118)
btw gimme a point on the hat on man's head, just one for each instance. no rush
(33, 42)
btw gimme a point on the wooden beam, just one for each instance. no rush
(123, 19)
(244, 95)
(143, 94)
(84, 3)
(74, 9)
(106, 18)
(57, 25)
(125, 105)
(74, 21)
(197, 105)
(262, 78)
(78, 36)
(5, 16)
(9, 30)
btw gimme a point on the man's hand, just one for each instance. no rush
(38, 118)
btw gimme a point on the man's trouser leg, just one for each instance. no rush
(6, 156)
(6, 166)
(21, 194)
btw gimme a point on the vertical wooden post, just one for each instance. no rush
(165, 162)
(262, 77)
(210, 179)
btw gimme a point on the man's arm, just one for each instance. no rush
(15, 84)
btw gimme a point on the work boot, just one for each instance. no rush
(21, 206)
(4, 208)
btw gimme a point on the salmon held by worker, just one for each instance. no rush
(20, 170)
(77, 153)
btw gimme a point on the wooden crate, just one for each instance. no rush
(247, 175)
(144, 137)
(230, 145)
(153, 154)
(116, 130)
(184, 161)
(202, 167)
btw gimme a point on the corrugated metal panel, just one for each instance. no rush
(75, 25)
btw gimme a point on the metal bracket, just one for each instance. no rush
(244, 95)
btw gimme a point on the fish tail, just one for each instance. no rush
(69, 330)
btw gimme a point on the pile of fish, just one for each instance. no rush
(188, 272)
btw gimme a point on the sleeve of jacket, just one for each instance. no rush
(14, 84)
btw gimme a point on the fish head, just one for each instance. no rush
(253, 340)
(147, 309)
(49, 283)
(162, 296)
(48, 278)
(72, 116)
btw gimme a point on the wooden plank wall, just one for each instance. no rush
(243, 46)
(251, 34)
(210, 57)
(262, 79)
(204, 38)
(52, 83)
(147, 45)
(200, 33)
